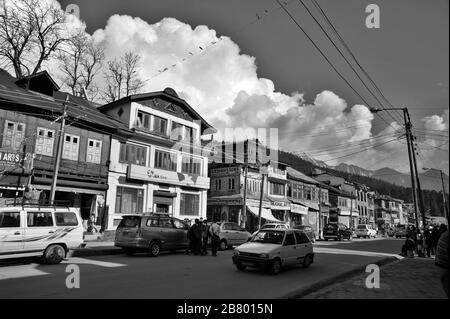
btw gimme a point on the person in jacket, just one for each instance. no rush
(214, 231)
(428, 240)
(197, 237)
(205, 237)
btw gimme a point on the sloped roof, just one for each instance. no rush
(296, 175)
(77, 108)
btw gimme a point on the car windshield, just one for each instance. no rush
(269, 237)
(361, 226)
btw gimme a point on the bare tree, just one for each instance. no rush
(122, 77)
(80, 60)
(31, 31)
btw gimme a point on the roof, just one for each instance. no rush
(77, 108)
(169, 94)
(38, 75)
(299, 176)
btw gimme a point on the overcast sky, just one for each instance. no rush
(264, 67)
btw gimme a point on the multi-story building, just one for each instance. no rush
(363, 203)
(30, 116)
(163, 166)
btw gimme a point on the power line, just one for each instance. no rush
(326, 58)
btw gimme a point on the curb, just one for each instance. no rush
(300, 293)
(89, 252)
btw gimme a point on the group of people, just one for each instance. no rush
(199, 235)
(429, 241)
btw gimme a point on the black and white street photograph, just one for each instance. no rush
(223, 155)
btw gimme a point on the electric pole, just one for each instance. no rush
(244, 204)
(59, 151)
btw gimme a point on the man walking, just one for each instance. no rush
(205, 237)
(197, 234)
(214, 231)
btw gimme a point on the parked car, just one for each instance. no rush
(390, 232)
(365, 231)
(47, 232)
(151, 233)
(308, 231)
(337, 232)
(400, 231)
(272, 225)
(272, 249)
(231, 234)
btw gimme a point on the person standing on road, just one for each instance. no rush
(190, 236)
(442, 260)
(214, 231)
(197, 234)
(428, 240)
(205, 237)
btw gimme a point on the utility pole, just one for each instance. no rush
(320, 212)
(244, 205)
(444, 196)
(59, 151)
(260, 200)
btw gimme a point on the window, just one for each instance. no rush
(165, 160)
(13, 135)
(129, 200)
(188, 131)
(218, 183)
(179, 225)
(130, 222)
(39, 219)
(133, 154)
(44, 141)
(301, 238)
(191, 165)
(71, 146)
(290, 240)
(143, 121)
(231, 183)
(153, 222)
(176, 133)
(342, 202)
(165, 223)
(276, 188)
(94, 151)
(227, 226)
(190, 205)
(159, 125)
(308, 193)
(9, 220)
(66, 219)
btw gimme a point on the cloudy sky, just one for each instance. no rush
(246, 64)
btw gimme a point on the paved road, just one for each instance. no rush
(182, 276)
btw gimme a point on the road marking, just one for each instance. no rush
(84, 261)
(21, 271)
(354, 252)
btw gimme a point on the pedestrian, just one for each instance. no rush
(435, 234)
(442, 260)
(205, 237)
(428, 240)
(197, 236)
(214, 231)
(408, 247)
(190, 237)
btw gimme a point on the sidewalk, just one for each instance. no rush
(409, 278)
(96, 248)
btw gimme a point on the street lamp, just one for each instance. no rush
(443, 189)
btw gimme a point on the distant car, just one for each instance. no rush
(365, 231)
(337, 232)
(151, 233)
(391, 232)
(400, 232)
(231, 234)
(272, 249)
(308, 231)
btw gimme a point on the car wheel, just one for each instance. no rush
(223, 244)
(54, 254)
(307, 261)
(128, 251)
(155, 249)
(240, 266)
(275, 267)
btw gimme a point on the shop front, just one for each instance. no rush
(226, 209)
(281, 210)
(299, 213)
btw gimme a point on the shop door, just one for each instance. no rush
(162, 208)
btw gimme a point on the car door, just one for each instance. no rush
(240, 234)
(303, 245)
(168, 233)
(228, 233)
(289, 250)
(39, 229)
(181, 234)
(11, 231)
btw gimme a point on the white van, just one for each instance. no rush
(39, 231)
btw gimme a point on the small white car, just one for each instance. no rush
(39, 231)
(231, 234)
(273, 248)
(365, 231)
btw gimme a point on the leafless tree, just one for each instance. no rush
(31, 31)
(80, 60)
(122, 77)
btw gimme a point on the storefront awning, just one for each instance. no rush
(299, 209)
(343, 212)
(265, 213)
(310, 204)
